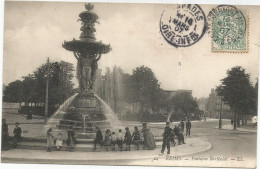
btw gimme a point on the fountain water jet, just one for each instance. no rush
(59, 114)
(83, 119)
(110, 114)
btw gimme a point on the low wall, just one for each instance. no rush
(6, 105)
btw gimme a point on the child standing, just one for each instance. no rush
(120, 138)
(59, 141)
(128, 139)
(50, 141)
(17, 134)
(71, 139)
(113, 140)
(107, 141)
(136, 137)
(98, 139)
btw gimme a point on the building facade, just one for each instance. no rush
(213, 107)
(202, 103)
(171, 93)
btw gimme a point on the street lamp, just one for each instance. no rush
(47, 90)
(220, 114)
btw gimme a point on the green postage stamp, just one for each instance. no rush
(229, 30)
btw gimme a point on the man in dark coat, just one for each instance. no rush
(167, 137)
(5, 136)
(188, 127)
(176, 130)
(179, 135)
(98, 139)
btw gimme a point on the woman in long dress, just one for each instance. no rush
(149, 142)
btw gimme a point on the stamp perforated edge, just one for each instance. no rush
(233, 51)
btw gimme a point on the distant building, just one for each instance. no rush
(202, 103)
(213, 107)
(172, 93)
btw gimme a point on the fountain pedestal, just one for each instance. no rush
(87, 106)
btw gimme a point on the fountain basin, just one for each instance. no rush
(84, 113)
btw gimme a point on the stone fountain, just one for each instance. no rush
(85, 110)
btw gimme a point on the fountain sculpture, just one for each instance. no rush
(87, 50)
(85, 110)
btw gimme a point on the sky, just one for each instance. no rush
(34, 31)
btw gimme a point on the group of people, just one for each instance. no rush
(169, 135)
(57, 142)
(182, 126)
(111, 139)
(5, 136)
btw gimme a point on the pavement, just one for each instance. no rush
(21, 118)
(30, 128)
(192, 146)
(248, 128)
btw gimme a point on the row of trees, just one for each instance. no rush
(32, 88)
(142, 91)
(238, 91)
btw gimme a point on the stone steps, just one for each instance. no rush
(84, 144)
(81, 140)
(86, 147)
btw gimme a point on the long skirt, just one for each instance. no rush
(149, 142)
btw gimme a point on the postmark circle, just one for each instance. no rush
(228, 29)
(183, 25)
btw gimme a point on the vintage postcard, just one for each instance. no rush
(132, 84)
